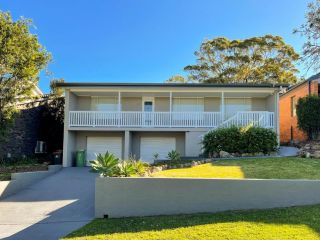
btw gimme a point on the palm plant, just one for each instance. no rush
(105, 164)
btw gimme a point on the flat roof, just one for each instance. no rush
(195, 85)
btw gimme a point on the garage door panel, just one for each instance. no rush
(151, 145)
(96, 145)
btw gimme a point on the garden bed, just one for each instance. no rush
(5, 171)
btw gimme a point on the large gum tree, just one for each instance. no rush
(265, 59)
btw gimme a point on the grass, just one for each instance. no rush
(273, 224)
(263, 168)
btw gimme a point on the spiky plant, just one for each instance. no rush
(125, 169)
(105, 164)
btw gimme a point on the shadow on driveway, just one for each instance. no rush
(50, 209)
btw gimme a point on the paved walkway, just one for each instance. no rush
(51, 208)
(288, 151)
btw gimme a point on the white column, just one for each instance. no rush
(276, 115)
(119, 108)
(127, 144)
(68, 136)
(222, 106)
(170, 108)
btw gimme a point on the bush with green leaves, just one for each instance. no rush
(308, 113)
(257, 139)
(125, 169)
(240, 140)
(223, 139)
(174, 155)
(110, 166)
(105, 164)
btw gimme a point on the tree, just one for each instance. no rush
(21, 60)
(177, 79)
(311, 31)
(308, 113)
(266, 59)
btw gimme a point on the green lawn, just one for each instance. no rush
(275, 224)
(264, 168)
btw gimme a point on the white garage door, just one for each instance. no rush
(97, 145)
(151, 145)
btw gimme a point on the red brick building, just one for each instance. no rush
(289, 131)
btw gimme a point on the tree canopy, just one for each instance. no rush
(266, 59)
(311, 31)
(177, 79)
(22, 58)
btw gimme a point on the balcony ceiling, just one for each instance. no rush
(176, 94)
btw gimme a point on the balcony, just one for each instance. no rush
(169, 119)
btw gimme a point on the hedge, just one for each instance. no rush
(240, 140)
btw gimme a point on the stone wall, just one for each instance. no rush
(23, 135)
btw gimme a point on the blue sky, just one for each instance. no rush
(146, 40)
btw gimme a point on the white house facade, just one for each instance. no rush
(144, 119)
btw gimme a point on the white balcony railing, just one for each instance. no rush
(167, 119)
(143, 119)
(261, 119)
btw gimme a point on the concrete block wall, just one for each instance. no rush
(126, 197)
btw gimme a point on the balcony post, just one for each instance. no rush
(119, 109)
(170, 108)
(222, 106)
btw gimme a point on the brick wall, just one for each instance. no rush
(287, 121)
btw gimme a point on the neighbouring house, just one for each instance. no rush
(146, 118)
(289, 131)
(22, 137)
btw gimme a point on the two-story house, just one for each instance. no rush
(147, 118)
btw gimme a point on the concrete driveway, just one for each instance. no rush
(50, 209)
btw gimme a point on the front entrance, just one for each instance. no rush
(148, 108)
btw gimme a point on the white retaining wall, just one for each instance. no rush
(21, 180)
(125, 197)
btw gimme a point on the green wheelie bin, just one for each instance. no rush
(81, 158)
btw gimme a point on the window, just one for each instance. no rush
(234, 105)
(293, 106)
(188, 105)
(108, 104)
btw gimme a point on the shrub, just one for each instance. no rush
(155, 157)
(257, 139)
(308, 113)
(110, 166)
(222, 139)
(240, 140)
(105, 164)
(125, 169)
(138, 166)
(174, 155)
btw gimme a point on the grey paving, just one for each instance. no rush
(50, 209)
(288, 151)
